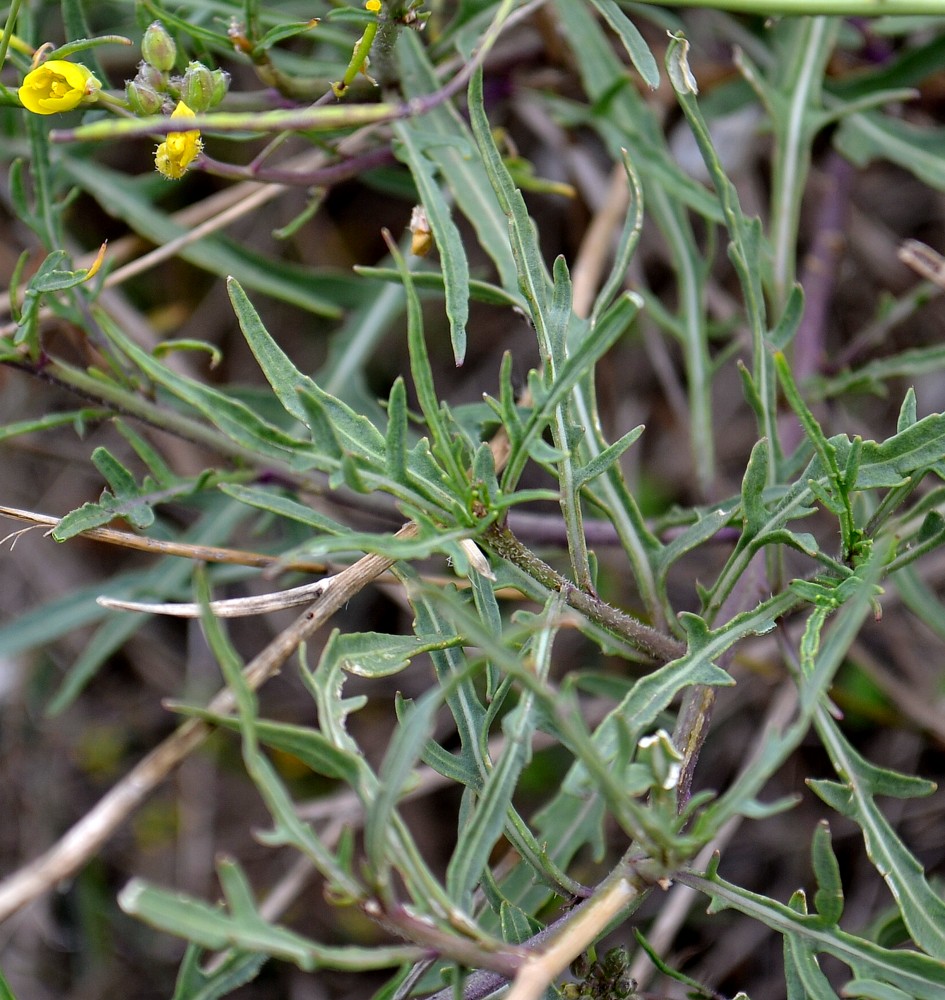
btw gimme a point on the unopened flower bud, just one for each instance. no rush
(144, 99)
(221, 84)
(196, 87)
(158, 48)
(150, 77)
(421, 242)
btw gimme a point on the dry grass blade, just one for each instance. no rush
(237, 607)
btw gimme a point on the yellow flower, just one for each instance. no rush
(374, 6)
(56, 85)
(179, 149)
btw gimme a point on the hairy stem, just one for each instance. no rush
(657, 644)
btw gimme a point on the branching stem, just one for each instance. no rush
(657, 644)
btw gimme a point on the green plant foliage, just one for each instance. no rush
(582, 464)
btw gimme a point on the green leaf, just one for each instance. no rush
(590, 349)
(403, 752)
(376, 654)
(801, 969)
(706, 526)
(746, 250)
(488, 819)
(632, 40)
(51, 277)
(464, 174)
(787, 326)
(310, 746)
(754, 481)
(244, 928)
(396, 441)
(922, 908)
(276, 503)
(423, 377)
(908, 411)
(828, 899)
(159, 469)
(286, 380)
(281, 32)
(918, 976)
(412, 151)
(123, 487)
(629, 238)
(533, 279)
(78, 418)
(873, 135)
(871, 990)
(918, 447)
(236, 970)
(231, 416)
(329, 418)
(462, 698)
(517, 926)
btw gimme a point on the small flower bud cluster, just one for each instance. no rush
(155, 88)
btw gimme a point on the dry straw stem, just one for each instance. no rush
(597, 245)
(543, 967)
(923, 260)
(237, 607)
(80, 843)
(160, 547)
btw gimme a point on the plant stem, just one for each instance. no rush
(326, 176)
(586, 925)
(130, 403)
(658, 645)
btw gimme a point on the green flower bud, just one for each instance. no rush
(197, 87)
(221, 84)
(144, 99)
(148, 76)
(158, 47)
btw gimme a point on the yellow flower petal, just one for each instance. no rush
(179, 149)
(56, 85)
(97, 263)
